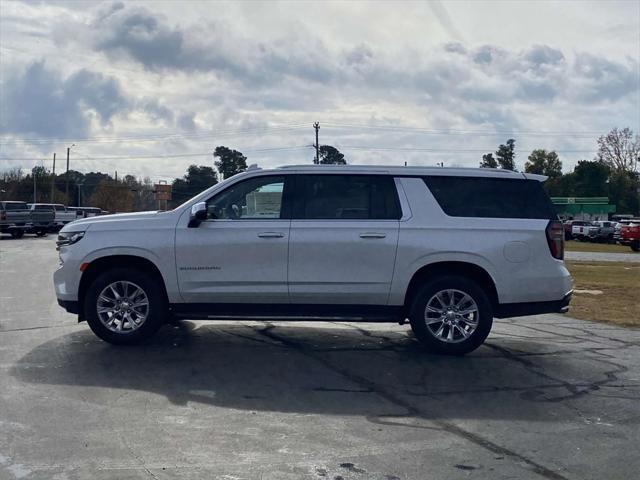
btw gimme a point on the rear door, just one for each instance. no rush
(344, 235)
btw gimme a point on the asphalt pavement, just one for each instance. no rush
(546, 397)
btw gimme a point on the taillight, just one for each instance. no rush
(3, 215)
(555, 239)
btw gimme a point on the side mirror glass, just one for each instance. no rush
(198, 214)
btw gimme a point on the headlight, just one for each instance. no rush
(68, 238)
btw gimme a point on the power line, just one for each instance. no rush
(304, 147)
(158, 157)
(291, 127)
(446, 150)
(400, 128)
(157, 136)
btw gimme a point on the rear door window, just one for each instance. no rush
(346, 197)
(491, 197)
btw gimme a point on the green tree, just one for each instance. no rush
(488, 161)
(231, 161)
(544, 163)
(624, 191)
(590, 179)
(113, 196)
(619, 150)
(506, 155)
(331, 155)
(197, 179)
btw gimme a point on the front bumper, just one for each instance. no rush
(70, 306)
(507, 310)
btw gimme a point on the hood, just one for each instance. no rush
(85, 223)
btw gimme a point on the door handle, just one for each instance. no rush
(373, 235)
(271, 235)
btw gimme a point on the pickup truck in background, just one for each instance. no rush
(62, 216)
(630, 235)
(583, 231)
(42, 219)
(606, 231)
(14, 218)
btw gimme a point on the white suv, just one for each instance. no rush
(449, 249)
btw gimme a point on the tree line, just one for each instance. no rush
(612, 173)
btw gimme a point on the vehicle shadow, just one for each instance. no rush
(334, 369)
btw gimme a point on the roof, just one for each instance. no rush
(411, 171)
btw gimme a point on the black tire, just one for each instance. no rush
(635, 246)
(157, 308)
(17, 233)
(41, 233)
(428, 338)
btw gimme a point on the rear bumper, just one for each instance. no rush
(506, 310)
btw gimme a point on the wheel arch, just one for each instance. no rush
(464, 269)
(102, 264)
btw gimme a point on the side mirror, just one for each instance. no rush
(198, 214)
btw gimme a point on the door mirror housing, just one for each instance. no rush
(198, 214)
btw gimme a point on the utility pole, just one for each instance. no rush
(67, 174)
(316, 126)
(53, 179)
(34, 185)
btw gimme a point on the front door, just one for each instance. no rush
(239, 253)
(344, 235)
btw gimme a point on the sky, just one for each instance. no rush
(149, 87)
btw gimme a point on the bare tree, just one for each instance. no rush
(619, 150)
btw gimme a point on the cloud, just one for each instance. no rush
(441, 13)
(39, 101)
(157, 111)
(186, 121)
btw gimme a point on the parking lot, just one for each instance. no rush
(545, 397)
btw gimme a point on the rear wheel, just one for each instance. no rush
(41, 233)
(635, 246)
(124, 306)
(17, 233)
(451, 315)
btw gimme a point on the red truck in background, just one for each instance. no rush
(630, 235)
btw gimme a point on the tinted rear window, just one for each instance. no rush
(341, 197)
(491, 197)
(14, 206)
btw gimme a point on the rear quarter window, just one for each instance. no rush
(491, 197)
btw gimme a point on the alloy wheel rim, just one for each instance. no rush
(122, 307)
(451, 315)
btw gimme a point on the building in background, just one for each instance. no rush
(583, 208)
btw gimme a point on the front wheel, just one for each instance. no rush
(451, 315)
(635, 246)
(41, 233)
(17, 233)
(124, 306)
